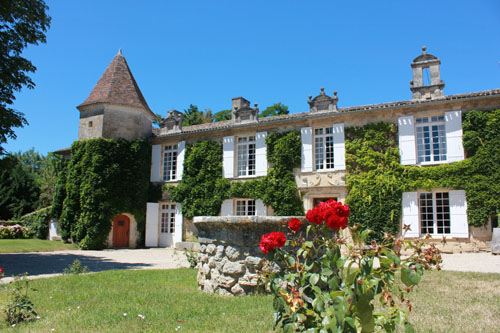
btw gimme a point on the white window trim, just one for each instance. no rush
(435, 234)
(169, 209)
(429, 125)
(245, 147)
(324, 136)
(246, 203)
(172, 149)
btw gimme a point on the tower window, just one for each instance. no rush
(91, 123)
(426, 76)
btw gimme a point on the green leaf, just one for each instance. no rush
(313, 279)
(409, 277)
(409, 328)
(326, 272)
(351, 277)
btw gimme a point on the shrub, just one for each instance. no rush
(76, 268)
(19, 306)
(14, 232)
(319, 289)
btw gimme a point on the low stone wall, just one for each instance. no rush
(230, 258)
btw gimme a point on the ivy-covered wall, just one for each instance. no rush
(202, 188)
(104, 177)
(376, 179)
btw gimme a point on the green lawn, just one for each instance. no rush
(444, 302)
(33, 245)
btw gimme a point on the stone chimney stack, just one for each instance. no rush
(423, 65)
(242, 112)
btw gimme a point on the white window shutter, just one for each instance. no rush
(306, 138)
(227, 208)
(458, 214)
(152, 220)
(260, 154)
(260, 208)
(178, 223)
(228, 157)
(410, 214)
(453, 127)
(181, 147)
(155, 163)
(407, 149)
(338, 146)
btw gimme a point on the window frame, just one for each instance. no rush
(167, 218)
(327, 162)
(436, 197)
(246, 162)
(247, 205)
(429, 122)
(169, 169)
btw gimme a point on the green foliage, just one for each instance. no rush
(22, 23)
(14, 232)
(192, 257)
(202, 188)
(222, 115)
(38, 222)
(277, 109)
(18, 190)
(76, 268)
(104, 178)
(320, 290)
(374, 178)
(19, 306)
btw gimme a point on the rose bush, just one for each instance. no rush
(14, 231)
(321, 289)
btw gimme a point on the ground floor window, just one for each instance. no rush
(167, 223)
(435, 213)
(317, 201)
(245, 207)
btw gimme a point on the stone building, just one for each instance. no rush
(429, 128)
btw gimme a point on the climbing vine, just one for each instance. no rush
(104, 178)
(202, 188)
(376, 179)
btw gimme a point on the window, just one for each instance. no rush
(317, 201)
(245, 207)
(435, 213)
(431, 139)
(246, 156)
(167, 223)
(169, 162)
(91, 123)
(323, 148)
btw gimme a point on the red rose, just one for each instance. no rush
(1, 270)
(334, 214)
(294, 224)
(314, 215)
(271, 241)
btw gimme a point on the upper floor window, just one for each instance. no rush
(431, 139)
(435, 213)
(323, 148)
(245, 207)
(246, 156)
(169, 162)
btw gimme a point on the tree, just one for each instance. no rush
(18, 191)
(193, 116)
(22, 22)
(222, 115)
(277, 109)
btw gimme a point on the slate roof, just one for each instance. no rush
(117, 86)
(208, 127)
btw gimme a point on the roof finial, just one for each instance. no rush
(424, 49)
(120, 52)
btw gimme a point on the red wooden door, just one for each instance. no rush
(121, 226)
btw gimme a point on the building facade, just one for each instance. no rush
(429, 131)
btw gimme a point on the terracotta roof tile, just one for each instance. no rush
(117, 86)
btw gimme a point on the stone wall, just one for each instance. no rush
(229, 257)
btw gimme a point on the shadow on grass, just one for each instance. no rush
(50, 263)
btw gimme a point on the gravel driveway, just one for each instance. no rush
(45, 264)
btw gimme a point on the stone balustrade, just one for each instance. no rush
(229, 257)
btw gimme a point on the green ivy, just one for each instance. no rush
(104, 177)
(376, 179)
(38, 222)
(202, 188)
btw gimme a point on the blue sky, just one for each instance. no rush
(206, 52)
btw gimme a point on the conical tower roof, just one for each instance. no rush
(117, 86)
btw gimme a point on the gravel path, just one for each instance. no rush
(46, 264)
(483, 262)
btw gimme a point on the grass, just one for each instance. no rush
(33, 245)
(443, 302)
